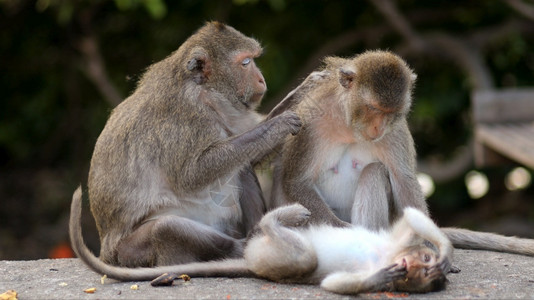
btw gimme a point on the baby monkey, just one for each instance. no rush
(413, 256)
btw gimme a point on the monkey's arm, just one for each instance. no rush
(296, 95)
(397, 152)
(354, 283)
(427, 229)
(251, 199)
(211, 162)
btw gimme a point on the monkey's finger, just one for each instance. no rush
(295, 122)
(390, 267)
(396, 274)
(318, 75)
(296, 125)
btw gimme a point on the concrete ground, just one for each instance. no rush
(486, 275)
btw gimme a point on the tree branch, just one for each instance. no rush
(522, 8)
(96, 71)
(399, 23)
(331, 47)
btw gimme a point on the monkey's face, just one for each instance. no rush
(372, 121)
(250, 83)
(423, 273)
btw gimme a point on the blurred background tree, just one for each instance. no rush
(65, 64)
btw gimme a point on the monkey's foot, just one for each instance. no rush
(293, 216)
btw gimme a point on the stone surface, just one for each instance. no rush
(485, 275)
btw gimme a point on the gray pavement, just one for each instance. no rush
(484, 275)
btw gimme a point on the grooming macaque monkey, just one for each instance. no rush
(354, 159)
(171, 178)
(414, 256)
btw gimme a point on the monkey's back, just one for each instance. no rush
(137, 162)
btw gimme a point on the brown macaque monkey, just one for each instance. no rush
(354, 159)
(171, 178)
(414, 256)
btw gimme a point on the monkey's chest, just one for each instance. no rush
(339, 175)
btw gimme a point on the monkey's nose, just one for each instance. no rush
(262, 83)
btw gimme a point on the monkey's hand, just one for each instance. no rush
(317, 76)
(295, 96)
(287, 122)
(444, 265)
(389, 274)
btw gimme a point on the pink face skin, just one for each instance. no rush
(254, 86)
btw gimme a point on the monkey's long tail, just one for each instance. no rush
(468, 239)
(223, 268)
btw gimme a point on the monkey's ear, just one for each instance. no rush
(199, 65)
(346, 77)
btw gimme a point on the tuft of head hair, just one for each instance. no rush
(219, 40)
(334, 62)
(218, 25)
(386, 75)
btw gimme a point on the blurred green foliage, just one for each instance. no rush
(51, 110)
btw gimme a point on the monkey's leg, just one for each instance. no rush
(354, 283)
(170, 240)
(294, 215)
(371, 207)
(284, 254)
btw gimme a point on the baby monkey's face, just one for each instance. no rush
(423, 273)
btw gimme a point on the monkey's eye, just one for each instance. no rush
(426, 258)
(246, 61)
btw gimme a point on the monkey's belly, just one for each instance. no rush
(338, 181)
(346, 249)
(217, 206)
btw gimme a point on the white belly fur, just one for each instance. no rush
(346, 249)
(338, 177)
